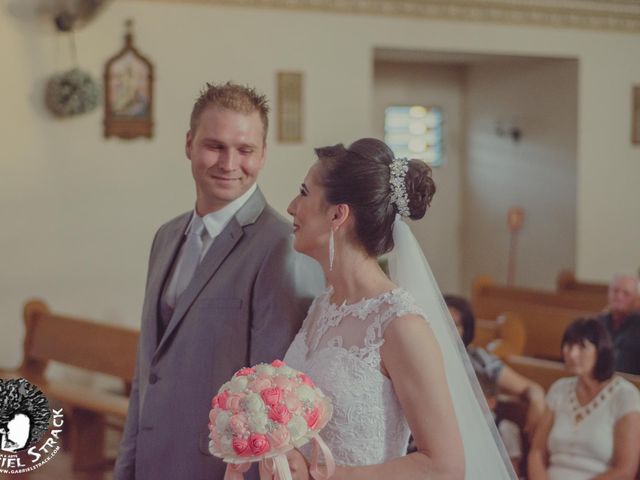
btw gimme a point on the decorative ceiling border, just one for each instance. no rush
(620, 15)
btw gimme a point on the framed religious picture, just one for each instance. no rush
(635, 115)
(289, 107)
(128, 92)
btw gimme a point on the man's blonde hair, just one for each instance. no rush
(234, 97)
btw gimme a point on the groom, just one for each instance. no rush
(224, 290)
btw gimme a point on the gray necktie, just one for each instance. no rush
(190, 255)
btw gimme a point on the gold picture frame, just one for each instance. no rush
(128, 92)
(290, 107)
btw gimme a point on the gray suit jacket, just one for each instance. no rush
(244, 305)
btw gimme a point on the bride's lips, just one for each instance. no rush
(296, 227)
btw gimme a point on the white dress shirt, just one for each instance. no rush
(214, 223)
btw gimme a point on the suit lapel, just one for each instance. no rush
(166, 257)
(220, 249)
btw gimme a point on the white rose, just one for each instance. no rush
(297, 428)
(226, 444)
(253, 403)
(265, 369)
(305, 393)
(286, 371)
(238, 384)
(222, 421)
(258, 422)
(212, 447)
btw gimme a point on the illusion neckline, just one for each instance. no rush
(344, 304)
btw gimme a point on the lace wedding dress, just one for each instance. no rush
(338, 346)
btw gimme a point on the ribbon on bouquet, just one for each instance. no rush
(278, 467)
(316, 471)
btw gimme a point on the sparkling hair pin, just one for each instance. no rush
(399, 168)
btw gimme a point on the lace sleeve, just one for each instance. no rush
(402, 305)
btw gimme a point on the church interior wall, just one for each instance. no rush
(79, 212)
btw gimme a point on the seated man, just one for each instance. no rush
(622, 321)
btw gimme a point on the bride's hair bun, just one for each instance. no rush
(359, 176)
(420, 188)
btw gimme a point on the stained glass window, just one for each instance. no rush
(415, 132)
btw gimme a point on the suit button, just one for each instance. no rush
(153, 378)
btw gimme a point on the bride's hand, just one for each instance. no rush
(297, 464)
(264, 472)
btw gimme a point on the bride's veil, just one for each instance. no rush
(485, 455)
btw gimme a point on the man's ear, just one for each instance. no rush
(264, 155)
(188, 144)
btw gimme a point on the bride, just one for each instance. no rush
(385, 351)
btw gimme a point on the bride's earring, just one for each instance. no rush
(332, 250)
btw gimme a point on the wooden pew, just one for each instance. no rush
(85, 344)
(566, 282)
(545, 372)
(545, 315)
(486, 288)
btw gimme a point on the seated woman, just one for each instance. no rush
(492, 373)
(591, 428)
(496, 377)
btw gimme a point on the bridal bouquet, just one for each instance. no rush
(262, 413)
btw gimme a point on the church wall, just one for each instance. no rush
(79, 212)
(536, 172)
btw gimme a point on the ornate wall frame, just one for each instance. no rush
(128, 92)
(635, 115)
(290, 108)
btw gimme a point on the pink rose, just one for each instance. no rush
(258, 444)
(244, 372)
(238, 424)
(220, 400)
(292, 402)
(280, 413)
(312, 417)
(241, 447)
(278, 363)
(272, 396)
(279, 437)
(306, 380)
(233, 402)
(260, 383)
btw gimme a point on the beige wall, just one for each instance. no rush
(465, 233)
(78, 212)
(536, 173)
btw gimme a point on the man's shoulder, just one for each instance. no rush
(178, 221)
(277, 226)
(633, 323)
